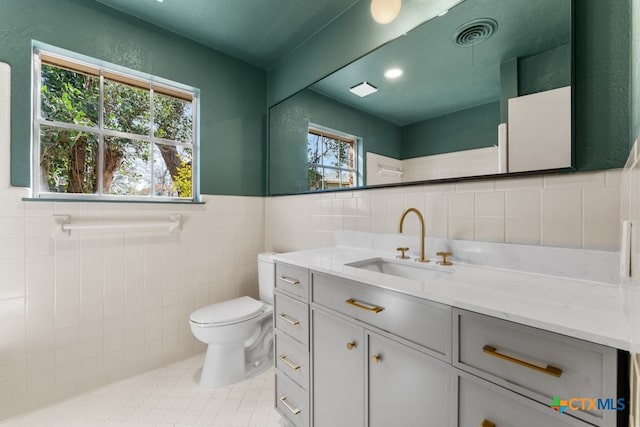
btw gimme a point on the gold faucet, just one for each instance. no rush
(417, 212)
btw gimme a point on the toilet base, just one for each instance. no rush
(232, 362)
(223, 364)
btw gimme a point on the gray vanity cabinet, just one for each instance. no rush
(362, 378)
(353, 355)
(406, 387)
(366, 376)
(338, 371)
(484, 404)
(291, 344)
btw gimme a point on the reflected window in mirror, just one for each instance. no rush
(332, 159)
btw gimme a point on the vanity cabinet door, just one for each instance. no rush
(338, 372)
(407, 387)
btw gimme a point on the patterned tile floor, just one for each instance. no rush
(166, 397)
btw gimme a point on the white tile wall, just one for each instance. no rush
(82, 311)
(578, 210)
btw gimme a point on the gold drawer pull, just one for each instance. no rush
(290, 320)
(351, 345)
(289, 363)
(548, 369)
(289, 280)
(376, 358)
(364, 305)
(487, 423)
(285, 402)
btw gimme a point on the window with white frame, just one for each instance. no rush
(332, 159)
(101, 133)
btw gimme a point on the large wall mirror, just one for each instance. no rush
(482, 89)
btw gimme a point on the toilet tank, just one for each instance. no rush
(266, 276)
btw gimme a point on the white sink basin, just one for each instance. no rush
(408, 269)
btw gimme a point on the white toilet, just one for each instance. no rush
(238, 332)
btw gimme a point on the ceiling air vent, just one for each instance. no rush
(474, 32)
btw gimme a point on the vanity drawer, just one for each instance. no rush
(291, 401)
(292, 318)
(293, 280)
(292, 359)
(482, 404)
(536, 363)
(422, 322)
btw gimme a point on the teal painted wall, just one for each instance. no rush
(602, 64)
(635, 70)
(233, 93)
(288, 139)
(602, 84)
(463, 130)
(545, 71)
(508, 86)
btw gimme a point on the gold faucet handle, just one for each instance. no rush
(403, 250)
(444, 256)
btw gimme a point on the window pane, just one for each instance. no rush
(127, 167)
(314, 148)
(331, 178)
(172, 171)
(172, 118)
(346, 179)
(331, 154)
(346, 155)
(68, 160)
(69, 96)
(126, 108)
(314, 178)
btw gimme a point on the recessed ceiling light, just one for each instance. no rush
(393, 73)
(363, 89)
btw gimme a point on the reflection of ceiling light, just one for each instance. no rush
(363, 89)
(444, 13)
(393, 73)
(385, 11)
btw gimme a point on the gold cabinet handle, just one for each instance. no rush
(289, 363)
(351, 345)
(290, 320)
(376, 358)
(289, 280)
(364, 305)
(285, 402)
(548, 369)
(487, 423)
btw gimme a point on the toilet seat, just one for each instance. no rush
(228, 312)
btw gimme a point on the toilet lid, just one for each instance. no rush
(232, 311)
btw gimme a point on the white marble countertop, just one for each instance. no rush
(602, 313)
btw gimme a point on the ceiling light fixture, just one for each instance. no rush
(363, 89)
(393, 73)
(385, 11)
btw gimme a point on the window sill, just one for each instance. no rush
(149, 202)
